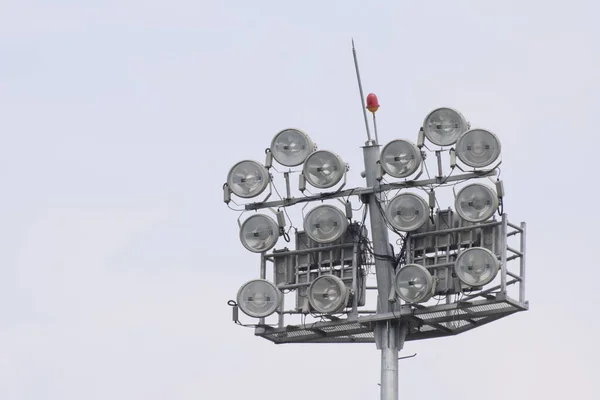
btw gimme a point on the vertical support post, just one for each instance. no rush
(288, 192)
(522, 271)
(438, 155)
(391, 344)
(263, 266)
(263, 275)
(503, 255)
(355, 250)
(388, 333)
(281, 318)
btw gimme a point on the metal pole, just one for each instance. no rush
(362, 96)
(522, 267)
(503, 256)
(388, 334)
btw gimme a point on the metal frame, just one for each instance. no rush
(423, 323)
(290, 201)
(459, 312)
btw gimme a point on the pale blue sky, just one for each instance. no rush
(120, 121)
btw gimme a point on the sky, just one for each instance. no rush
(120, 121)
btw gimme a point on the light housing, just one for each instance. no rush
(248, 179)
(476, 266)
(259, 233)
(444, 125)
(259, 298)
(407, 212)
(325, 224)
(476, 202)
(478, 148)
(290, 147)
(323, 169)
(414, 284)
(328, 294)
(400, 158)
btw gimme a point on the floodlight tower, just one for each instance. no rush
(465, 256)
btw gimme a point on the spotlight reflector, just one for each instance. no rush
(476, 266)
(443, 126)
(476, 202)
(328, 294)
(248, 179)
(400, 158)
(414, 284)
(407, 212)
(478, 148)
(325, 224)
(290, 147)
(324, 169)
(259, 233)
(258, 298)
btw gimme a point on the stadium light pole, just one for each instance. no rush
(389, 335)
(445, 253)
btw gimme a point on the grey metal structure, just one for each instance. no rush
(376, 313)
(422, 321)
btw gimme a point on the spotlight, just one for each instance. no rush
(324, 169)
(443, 126)
(259, 233)
(328, 294)
(476, 266)
(478, 148)
(476, 202)
(325, 224)
(407, 212)
(259, 298)
(290, 147)
(400, 158)
(248, 179)
(414, 284)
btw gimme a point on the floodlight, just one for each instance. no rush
(443, 126)
(248, 179)
(325, 224)
(328, 294)
(476, 202)
(259, 298)
(414, 284)
(478, 148)
(407, 212)
(290, 147)
(476, 266)
(323, 169)
(400, 158)
(259, 233)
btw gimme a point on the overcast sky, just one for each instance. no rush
(120, 121)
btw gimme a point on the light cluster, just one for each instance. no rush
(473, 150)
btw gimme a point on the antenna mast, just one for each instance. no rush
(362, 97)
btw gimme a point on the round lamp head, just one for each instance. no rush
(290, 147)
(443, 126)
(414, 284)
(327, 294)
(400, 158)
(325, 224)
(324, 169)
(248, 179)
(476, 202)
(407, 212)
(259, 233)
(258, 298)
(478, 148)
(476, 266)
